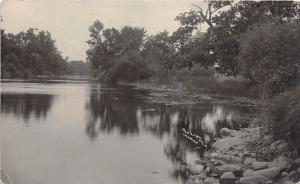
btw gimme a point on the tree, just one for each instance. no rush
(228, 20)
(112, 50)
(269, 53)
(158, 51)
(30, 53)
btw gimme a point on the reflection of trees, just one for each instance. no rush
(112, 110)
(26, 105)
(123, 111)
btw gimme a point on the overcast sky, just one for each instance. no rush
(68, 20)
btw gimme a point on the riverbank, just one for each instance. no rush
(236, 157)
(196, 93)
(246, 156)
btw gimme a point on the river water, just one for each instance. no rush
(74, 132)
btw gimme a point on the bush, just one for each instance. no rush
(127, 71)
(284, 115)
(269, 55)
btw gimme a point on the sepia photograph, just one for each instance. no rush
(150, 92)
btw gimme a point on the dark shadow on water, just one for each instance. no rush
(124, 111)
(26, 105)
(112, 109)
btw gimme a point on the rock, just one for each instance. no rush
(249, 160)
(298, 170)
(267, 138)
(282, 162)
(214, 154)
(219, 162)
(288, 182)
(197, 162)
(226, 143)
(214, 174)
(257, 179)
(297, 162)
(228, 168)
(227, 178)
(274, 145)
(227, 175)
(269, 173)
(259, 165)
(225, 132)
(201, 176)
(284, 174)
(282, 146)
(246, 153)
(248, 172)
(198, 169)
(269, 182)
(292, 174)
(211, 180)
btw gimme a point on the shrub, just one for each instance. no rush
(269, 55)
(127, 71)
(284, 117)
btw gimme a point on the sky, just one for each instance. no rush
(68, 20)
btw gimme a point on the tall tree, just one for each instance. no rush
(227, 20)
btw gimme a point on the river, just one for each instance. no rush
(74, 132)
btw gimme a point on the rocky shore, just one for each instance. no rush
(246, 156)
(233, 159)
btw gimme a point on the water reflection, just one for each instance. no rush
(117, 112)
(110, 110)
(128, 114)
(26, 105)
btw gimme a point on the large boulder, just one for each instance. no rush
(257, 179)
(248, 172)
(235, 168)
(226, 132)
(269, 173)
(226, 143)
(259, 165)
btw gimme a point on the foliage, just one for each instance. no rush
(284, 115)
(107, 44)
(77, 68)
(269, 54)
(129, 67)
(158, 51)
(116, 54)
(228, 20)
(29, 53)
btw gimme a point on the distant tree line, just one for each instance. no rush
(79, 68)
(28, 54)
(33, 53)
